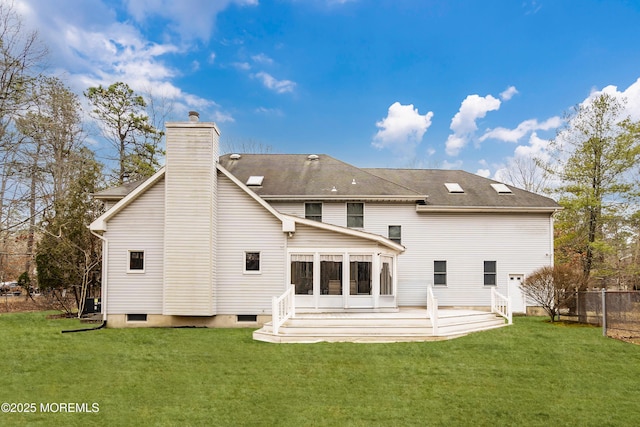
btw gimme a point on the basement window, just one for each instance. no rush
(453, 187)
(136, 317)
(247, 318)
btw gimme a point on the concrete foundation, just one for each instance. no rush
(163, 321)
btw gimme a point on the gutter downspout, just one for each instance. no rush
(105, 265)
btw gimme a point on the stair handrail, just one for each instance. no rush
(432, 309)
(283, 308)
(501, 305)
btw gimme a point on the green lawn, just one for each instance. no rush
(532, 373)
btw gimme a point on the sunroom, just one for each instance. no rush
(343, 278)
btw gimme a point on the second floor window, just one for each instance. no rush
(355, 215)
(395, 234)
(313, 211)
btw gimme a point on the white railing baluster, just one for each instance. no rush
(283, 308)
(501, 305)
(432, 309)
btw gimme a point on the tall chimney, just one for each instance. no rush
(190, 217)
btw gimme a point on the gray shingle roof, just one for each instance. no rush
(117, 193)
(478, 191)
(296, 176)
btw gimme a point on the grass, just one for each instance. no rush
(532, 373)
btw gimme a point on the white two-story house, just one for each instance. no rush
(211, 240)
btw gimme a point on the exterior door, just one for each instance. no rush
(518, 302)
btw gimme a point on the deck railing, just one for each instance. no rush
(432, 309)
(501, 305)
(283, 308)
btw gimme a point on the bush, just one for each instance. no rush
(554, 288)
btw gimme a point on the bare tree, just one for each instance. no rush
(21, 56)
(525, 173)
(244, 146)
(52, 134)
(554, 288)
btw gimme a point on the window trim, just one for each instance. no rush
(136, 270)
(488, 273)
(244, 262)
(313, 203)
(440, 273)
(354, 216)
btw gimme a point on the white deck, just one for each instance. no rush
(405, 324)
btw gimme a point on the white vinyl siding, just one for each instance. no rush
(139, 227)
(190, 208)
(245, 226)
(517, 242)
(309, 237)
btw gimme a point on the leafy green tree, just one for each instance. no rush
(594, 156)
(121, 115)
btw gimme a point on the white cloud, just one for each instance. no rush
(188, 18)
(402, 129)
(514, 135)
(486, 173)
(463, 123)
(262, 59)
(244, 66)
(269, 111)
(452, 165)
(90, 47)
(508, 93)
(630, 94)
(279, 86)
(537, 148)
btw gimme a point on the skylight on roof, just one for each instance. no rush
(453, 187)
(501, 189)
(255, 180)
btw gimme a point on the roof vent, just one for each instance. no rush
(255, 180)
(235, 156)
(453, 187)
(334, 189)
(313, 157)
(353, 182)
(194, 116)
(501, 189)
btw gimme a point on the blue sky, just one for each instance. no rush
(450, 84)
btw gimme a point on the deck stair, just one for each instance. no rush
(402, 325)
